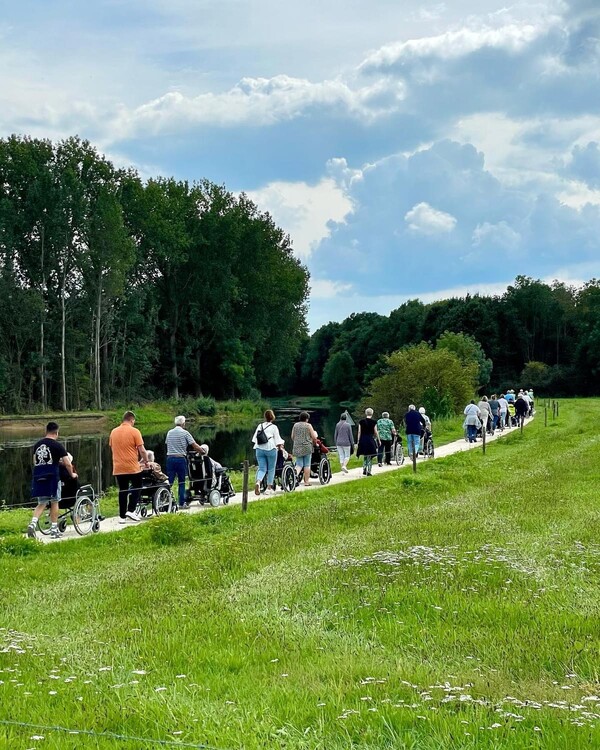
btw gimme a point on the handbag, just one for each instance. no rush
(261, 437)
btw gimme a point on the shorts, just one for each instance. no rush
(46, 500)
(303, 462)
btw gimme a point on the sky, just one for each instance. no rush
(411, 149)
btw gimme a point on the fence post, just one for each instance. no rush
(522, 420)
(414, 459)
(246, 471)
(545, 416)
(557, 408)
(483, 435)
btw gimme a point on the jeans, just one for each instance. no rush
(472, 432)
(495, 421)
(177, 467)
(412, 443)
(129, 492)
(503, 422)
(385, 448)
(267, 461)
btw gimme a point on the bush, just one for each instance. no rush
(172, 529)
(19, 546)
(417, 372)
(205, 406)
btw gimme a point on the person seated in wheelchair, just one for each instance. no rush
(153, 470)
(319, 451)
(426, 432)
(207, 474)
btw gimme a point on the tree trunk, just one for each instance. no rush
(97, 346)
(63, 369)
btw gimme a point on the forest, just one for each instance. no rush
(539, 335)
(115, 289)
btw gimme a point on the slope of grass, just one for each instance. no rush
(457, 608)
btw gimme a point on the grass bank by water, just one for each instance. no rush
(457, 608)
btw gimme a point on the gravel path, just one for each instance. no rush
(112, 524)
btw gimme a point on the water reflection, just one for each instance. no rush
(230, 445)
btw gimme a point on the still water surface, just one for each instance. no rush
(230, 446)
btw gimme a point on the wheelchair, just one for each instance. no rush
(207, 484)
(285, 474)
(79, 505)
(398, 450)
(427, 447)
(155, 494)
(320, 468)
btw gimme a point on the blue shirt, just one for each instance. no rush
(414, 422)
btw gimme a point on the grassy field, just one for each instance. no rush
(457, 608)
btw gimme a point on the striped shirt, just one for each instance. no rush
(177, 441)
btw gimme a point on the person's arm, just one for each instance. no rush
(278, 439)
(313, 434)
(376, 433)
(142, 454)
(69, 467)
(358, 436)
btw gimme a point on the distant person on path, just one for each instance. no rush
(486, 413)
(415, 424)
(48, 456)
(178, 442)
(304, 440)
(267, 441)
(495, 407)
(521, 410)
(503, 411)
(426, 432)
(368, 438)
(387, 430)
(472, 421)
(127, 446)
(344, 441)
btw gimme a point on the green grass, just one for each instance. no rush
(356, 616)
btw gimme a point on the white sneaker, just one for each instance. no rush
(269, 491)
(344, 469)
(133, 516)
(122, 520)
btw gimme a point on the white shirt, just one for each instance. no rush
(272, 432)
(503, 404)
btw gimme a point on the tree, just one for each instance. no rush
(339, 377)
(417, 373)
(468, 351)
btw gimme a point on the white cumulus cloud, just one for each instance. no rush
(424, 219)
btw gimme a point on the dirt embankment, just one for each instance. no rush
(84, 423)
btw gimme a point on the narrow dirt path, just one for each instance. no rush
(458, 446)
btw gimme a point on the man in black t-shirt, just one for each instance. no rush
(48, 454)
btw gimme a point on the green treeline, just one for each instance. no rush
(113, 289)
(544, 336)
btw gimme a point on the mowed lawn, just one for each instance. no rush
(455, 609)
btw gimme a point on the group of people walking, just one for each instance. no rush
(496, 412)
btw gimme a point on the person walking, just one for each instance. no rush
(267, 441)
(485, 413)
(495, 407)
(48, 456)
(304, 439)
(129, 458)
(344, 441)
(178, 442)
(427, 432)
(367, 441)
(521, 409)
(472, 420)
(415, 425)
(503, 403)
(387, 430)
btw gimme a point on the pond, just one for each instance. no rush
(230, 445)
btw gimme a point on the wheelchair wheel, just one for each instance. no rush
(44, 522)
(162, 502)
(399, 454)
(62, 525)
(288, 478)
(143, 511)
(214, 498)
(429, 449)
(324, 471)
(84, 514)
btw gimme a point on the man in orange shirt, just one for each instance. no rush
(127, 446)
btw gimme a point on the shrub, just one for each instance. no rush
(19, 546)
(172, 529)
(205, 406)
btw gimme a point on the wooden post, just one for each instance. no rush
(522, 420)
(545, 416)
(483, 435)
(557, 408)
(414, 459)
(246, 471)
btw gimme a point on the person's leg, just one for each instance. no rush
(380, 453)
(123, 484)
(344, 456)
(181, 469)
(271, 466)
(37, 512)
(368, 464)
(135, 482)
(171, 469)
(262, 469)
(387, 451)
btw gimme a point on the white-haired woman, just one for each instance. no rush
(178, 442)
(368, 440)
